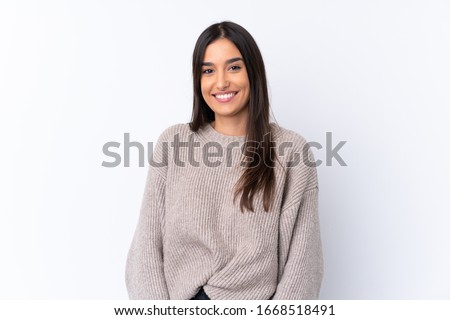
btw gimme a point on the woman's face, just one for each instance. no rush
(224, 81)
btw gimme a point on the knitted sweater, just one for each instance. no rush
(190, 233)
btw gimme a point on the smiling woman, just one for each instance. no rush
(193, 239)
(225, 85)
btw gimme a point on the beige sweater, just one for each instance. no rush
(190, 234)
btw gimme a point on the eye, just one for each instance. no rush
(234, 68)
(207, 71)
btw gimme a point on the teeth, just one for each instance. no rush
(225, 96)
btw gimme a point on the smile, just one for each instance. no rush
(225, 97)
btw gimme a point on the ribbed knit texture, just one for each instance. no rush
(191, 234)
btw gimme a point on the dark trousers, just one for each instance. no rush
(201, 295)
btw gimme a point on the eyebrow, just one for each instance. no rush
(226, 62)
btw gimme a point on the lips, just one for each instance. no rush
(225, 96)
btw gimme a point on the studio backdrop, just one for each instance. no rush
(367, 82)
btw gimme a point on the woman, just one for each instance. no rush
(194, 240)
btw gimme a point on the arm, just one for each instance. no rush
(303, 271)
(300, 248)
(144, 274)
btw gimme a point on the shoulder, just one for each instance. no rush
(167, 136)
(290, 139)
(161, 150)
(297, 157)
(176, 128)
(180, 129)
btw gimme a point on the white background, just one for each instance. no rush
(77, 74)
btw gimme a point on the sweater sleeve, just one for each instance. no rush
(144, 274)
(301, 251)
(302, 275)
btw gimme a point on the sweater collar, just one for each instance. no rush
(212, 134)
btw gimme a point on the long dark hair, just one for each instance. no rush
(259, 173)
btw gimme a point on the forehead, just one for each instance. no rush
(221, 50)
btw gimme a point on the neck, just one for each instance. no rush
(230, 127)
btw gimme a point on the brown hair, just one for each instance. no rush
(259, 173)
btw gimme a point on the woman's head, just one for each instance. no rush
(241, 43)
(224, 81)
(227, 61)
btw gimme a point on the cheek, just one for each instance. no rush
(245, 86)
(204, 88)
(244, 83)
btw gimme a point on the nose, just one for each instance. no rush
(222, 81)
